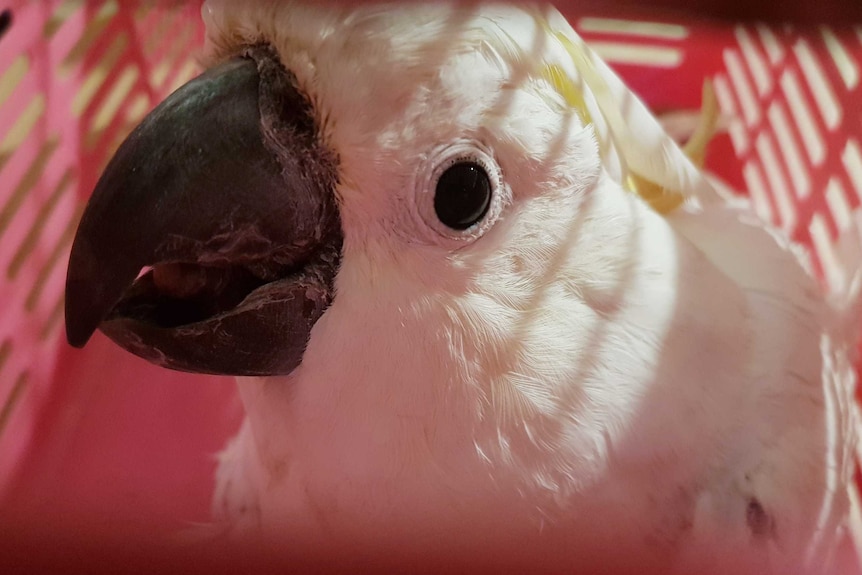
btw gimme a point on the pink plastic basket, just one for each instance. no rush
(101, 435)
(75, 77)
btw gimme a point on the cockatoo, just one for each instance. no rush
(478, 302)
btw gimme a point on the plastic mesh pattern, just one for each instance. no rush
(75, 77)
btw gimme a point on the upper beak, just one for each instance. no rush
(227, 193)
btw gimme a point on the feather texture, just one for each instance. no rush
(657, 372)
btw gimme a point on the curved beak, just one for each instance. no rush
(212, 240)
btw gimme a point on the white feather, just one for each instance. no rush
(583, 373)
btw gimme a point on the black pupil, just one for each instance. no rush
(463, 195)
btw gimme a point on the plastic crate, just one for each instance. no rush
(75, 77)
(100, 434)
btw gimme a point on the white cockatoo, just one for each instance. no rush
(479, 302)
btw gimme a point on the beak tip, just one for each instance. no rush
(76, 340)
(78, 332)
(82, 318)
(77, 344)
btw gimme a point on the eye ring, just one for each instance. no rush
(466, 170)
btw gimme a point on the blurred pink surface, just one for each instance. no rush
(94, 433)
(122, 440)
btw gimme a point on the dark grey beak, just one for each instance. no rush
(224, 196)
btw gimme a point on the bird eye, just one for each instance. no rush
(458, 194)
(463, 195)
